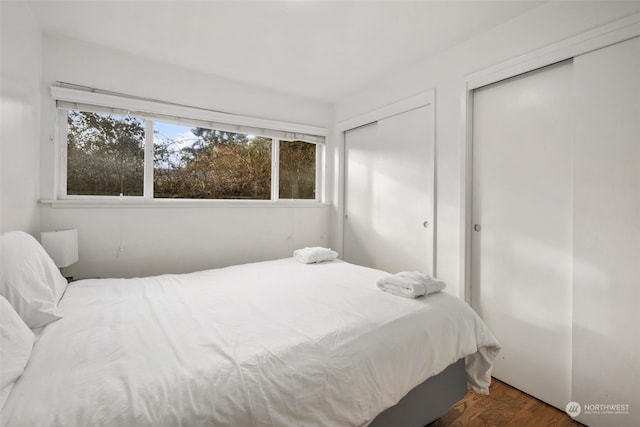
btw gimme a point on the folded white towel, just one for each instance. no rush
(314, 255)
(410, 284)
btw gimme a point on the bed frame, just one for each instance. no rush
(428, 401)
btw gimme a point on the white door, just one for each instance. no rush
(361, 144)
(606, 293)
(522, 243)
(389, 182)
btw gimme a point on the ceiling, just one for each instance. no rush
(322, 50)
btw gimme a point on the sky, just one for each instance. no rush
(179, 133)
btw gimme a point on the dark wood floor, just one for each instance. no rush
(504, 406)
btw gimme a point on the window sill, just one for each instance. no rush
(179, 203)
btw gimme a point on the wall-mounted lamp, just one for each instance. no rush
(61, 245)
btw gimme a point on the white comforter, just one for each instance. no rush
(276, 343)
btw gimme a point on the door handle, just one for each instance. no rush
(425, 224)
(476, 227)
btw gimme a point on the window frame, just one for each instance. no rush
(275, 171)
(68, 97)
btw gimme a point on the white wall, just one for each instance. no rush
(140, 241)
(20, 75)
(549, 23)
(133, 241)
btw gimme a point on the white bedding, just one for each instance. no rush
(276, 343)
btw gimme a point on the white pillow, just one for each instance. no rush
(17, 343)
(30, 280)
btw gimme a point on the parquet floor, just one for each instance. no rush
(504, 406)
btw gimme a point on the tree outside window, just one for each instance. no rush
(105, 157)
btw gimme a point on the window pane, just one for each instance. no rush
(297, 170)
(199, 163)
(105, 154)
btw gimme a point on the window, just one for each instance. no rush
(117, 152)
(297, 178)
(105, 154)
(201, 163)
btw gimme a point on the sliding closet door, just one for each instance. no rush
(361, 146)
(389, 182)
(522, 239)
(403, 184)
(606, 293)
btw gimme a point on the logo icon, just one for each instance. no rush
(573, 409)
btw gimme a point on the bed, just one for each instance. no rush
(276, 343)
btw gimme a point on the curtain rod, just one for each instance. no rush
(124, 95)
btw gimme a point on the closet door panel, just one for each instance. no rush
(606, 292)
(389, 193)
(403, 183)
(360, 158)
(522, 205)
